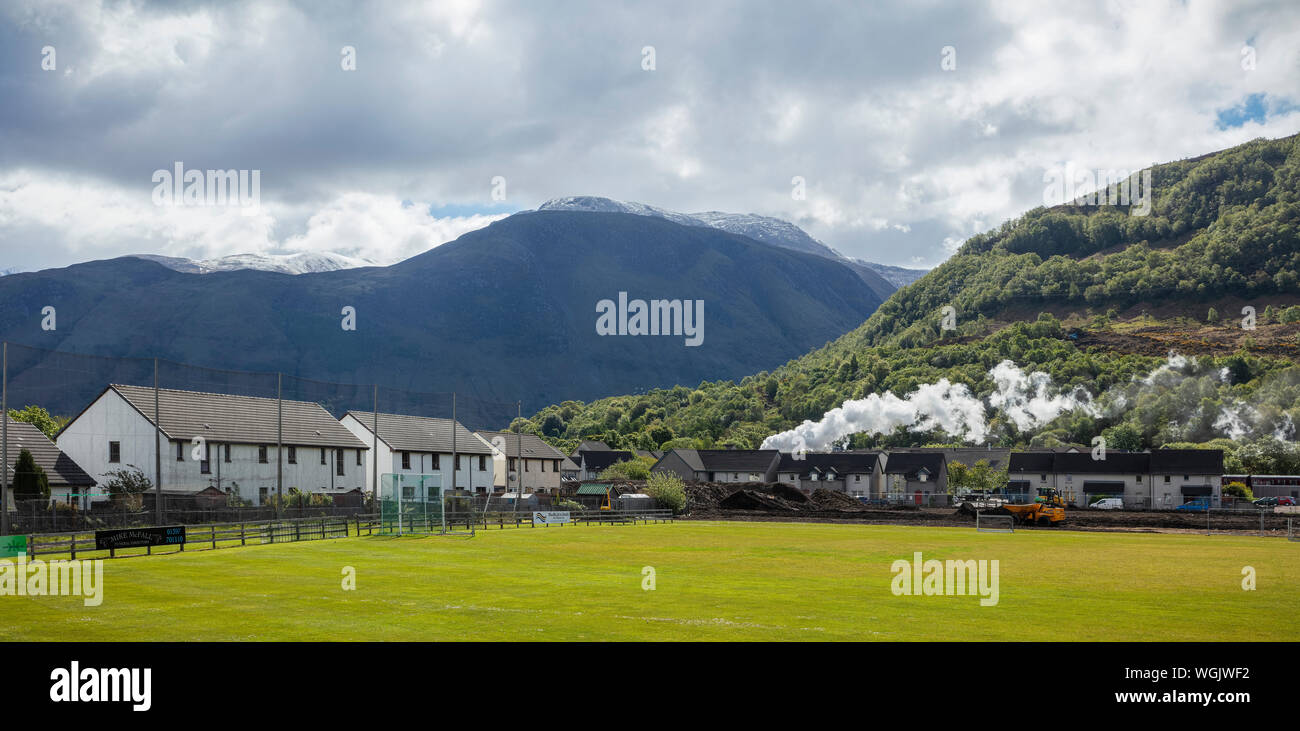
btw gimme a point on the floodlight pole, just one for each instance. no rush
(4, 443)
(374, 451)
(279, 444)
(157, 449)
(453, 441)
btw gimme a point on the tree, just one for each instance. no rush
(980, 478)
(1123, 437)
(1212, 316)
(125, 486)
(637, 468)
(668, 489)
(39, 418)
(30, 481)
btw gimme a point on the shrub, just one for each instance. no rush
(1238, 489)
(570, 505)
(667, 489)
(637, 468)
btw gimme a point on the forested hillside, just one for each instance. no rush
(1090, 295)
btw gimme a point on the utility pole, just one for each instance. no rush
(374, 451)
(519, 458)
(279, 443)
(157, 450)
(4, 443)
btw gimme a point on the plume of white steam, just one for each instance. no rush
(949, 406)
(1031, 400)
(1028, 399)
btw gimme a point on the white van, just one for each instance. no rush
(1108, 503)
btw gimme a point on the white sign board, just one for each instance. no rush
(552, 516)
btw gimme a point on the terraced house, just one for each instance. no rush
(524, 463)
(1161, 478)
(855, 473)
(420, 445)
(721, 465)
(219, 441)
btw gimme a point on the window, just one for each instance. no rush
(458, 463)
(1138, 479)
(293, 455)
(1166, 479)
(338, 462)
(114, 451)
(525, 465)
(322, 455)
(205, 467)
(262, 492)
(180, 451)
(790, 478)
(857, 478)
(543, 463)
(261, 455)
(406, 460)
(226, 447)
(735, 475)
(435, 462)
(555, 463)
(358, 457)
(1042, 478)
(512, 464)
(482, 463)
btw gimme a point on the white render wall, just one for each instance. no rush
(111, 419)
(468, 477)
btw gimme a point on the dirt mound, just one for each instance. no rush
(831, 500)
(759, 500)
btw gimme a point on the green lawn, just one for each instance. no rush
(715, 581)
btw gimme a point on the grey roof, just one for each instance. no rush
(589, 445)
(842, 463)
(59, 467)
(729, 460)
(533, 446)
(1187, 461)
(1116, 462)
(601, 459)
(1028, 462)
(406, 433)
(238, 419)
(909, 464)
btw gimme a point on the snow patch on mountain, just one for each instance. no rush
(306, 262)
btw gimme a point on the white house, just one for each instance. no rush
(419, 445)
(543, 464)
(216, 440)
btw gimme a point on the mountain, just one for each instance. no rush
(1093, 296)
(769, 230)
(301, 263)
(898, 276)
(503, 313)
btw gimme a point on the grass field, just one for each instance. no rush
(714, 581)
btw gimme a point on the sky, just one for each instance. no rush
(380, 130)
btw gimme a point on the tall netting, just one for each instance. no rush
(410, 503)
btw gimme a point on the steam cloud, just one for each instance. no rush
(1031, 400)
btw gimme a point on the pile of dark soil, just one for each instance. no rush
(832, 500)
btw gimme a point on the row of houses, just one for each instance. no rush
(252, 447)
(1158, 478)
(227, 444)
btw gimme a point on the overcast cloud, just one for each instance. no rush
(903, 160)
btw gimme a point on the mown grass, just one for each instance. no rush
(714, 581)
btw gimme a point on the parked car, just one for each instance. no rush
(1108, 503)
(1199, 505)
(1269, 502)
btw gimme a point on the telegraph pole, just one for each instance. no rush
(4, 443)
(157, 450)
(279, 443)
